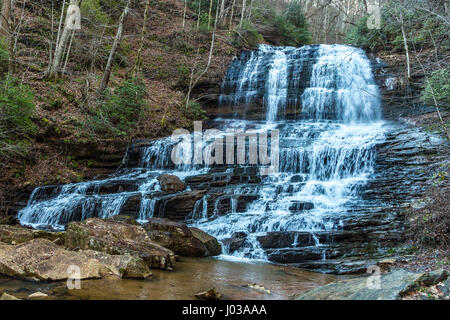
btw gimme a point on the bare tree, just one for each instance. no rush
(242, 13)
(112, 53)
(137, 66)
(61, 42)
(5, 19)
(194, 79)
(184, 13)
(405, 43)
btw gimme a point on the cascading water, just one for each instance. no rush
(326, 106)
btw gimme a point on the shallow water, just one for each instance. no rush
(191, 276)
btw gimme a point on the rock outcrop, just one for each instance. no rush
(390, 286)
(41, 259)
(17, 234)
(181, 239)
(118, 238)
(171, 183)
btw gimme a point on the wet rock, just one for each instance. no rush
(236, 241)
(17, 234)
(393, 286)
(179, 206)
(118, 238)
(258, 287)
(7, 296)
(41, 259)
(110, 187)
(243, 201)
(171, 183)
(211, 243)
(301, 206)
(211, 294)
(284, 239)
(177, 237)
(131, 206)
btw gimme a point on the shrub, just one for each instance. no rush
(4, 56)
(248, 35)
(92, 12)
(438, 84)
(431, 224)
(361, 36)
(120, 110)
(16, 109)
(195, 111)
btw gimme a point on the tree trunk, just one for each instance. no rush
(242, 12)
(193, 82)
(184, 13)
(199, 13)
(210, 12)
(405, 43)
(5, 19)
(221, 12)
(112, 53)
(137, 67)
(61, 44)
(232, 13)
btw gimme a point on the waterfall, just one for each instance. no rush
(326, 106)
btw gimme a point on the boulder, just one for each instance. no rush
(171, 183)
(211, 294)
(285, 239)
(179, 206)
(118, 238)
(235, 242)
(41, 259)
(392, 287)
(177, 237)
(17, 234)
(211, 243)
(124, 266)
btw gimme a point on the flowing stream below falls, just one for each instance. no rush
(327, 203)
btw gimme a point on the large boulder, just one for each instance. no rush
(235, 242)
(179, 206)
(17, 234)
(211, 243)
(171, 183)
(124, 266)
(41, 259)
(118, 238)
(392, 286)
(178, 237)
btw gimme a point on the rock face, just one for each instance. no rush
(124, 266)
(392, 286)
(235, 242)
(40, 259)
(211, 243)
(180, 239)
(118, 238)
(17, 234)
(171, 183)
